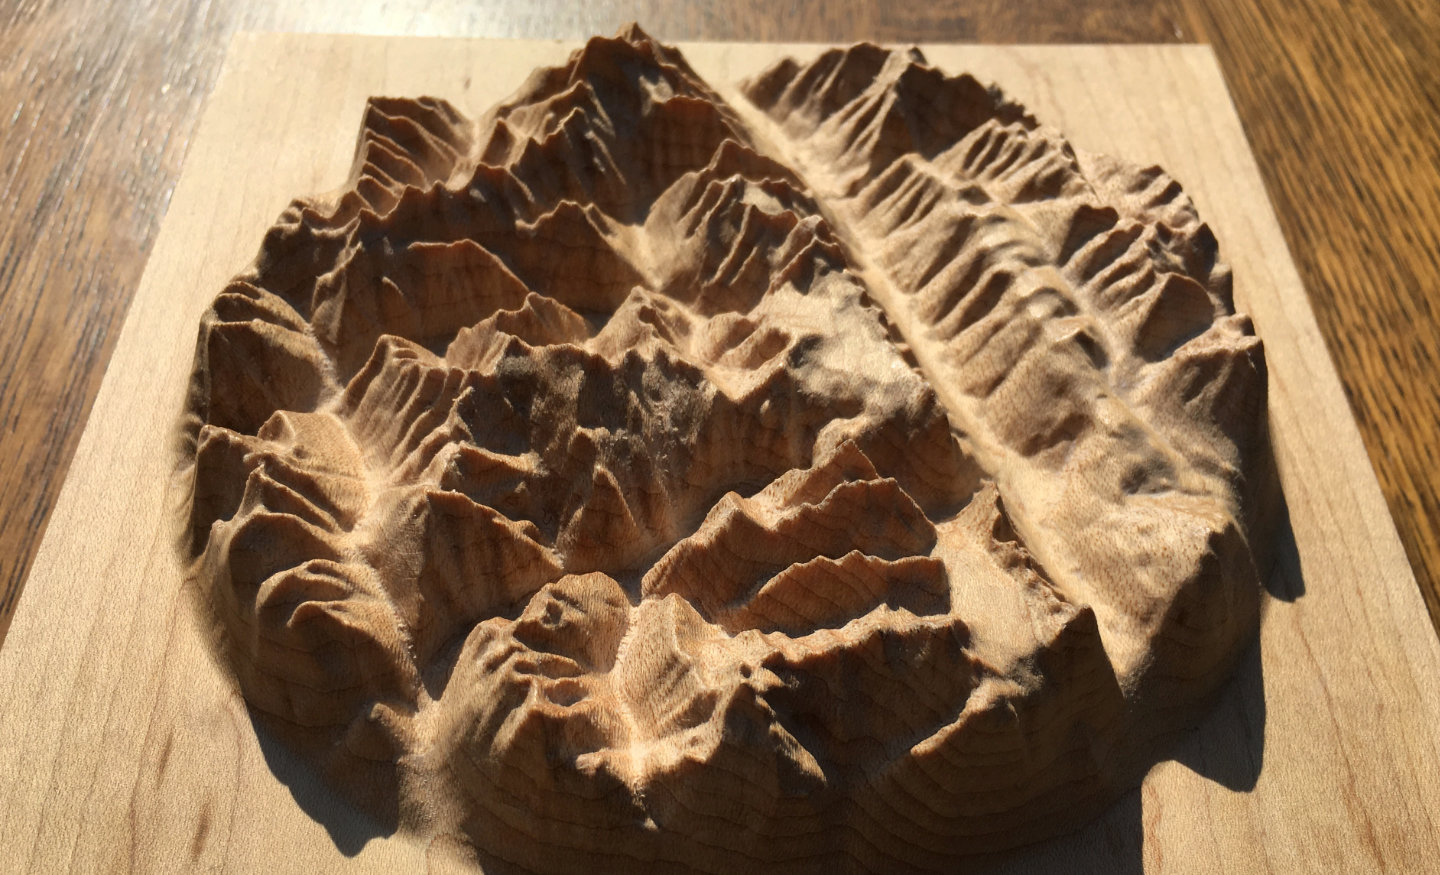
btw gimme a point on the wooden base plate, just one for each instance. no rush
(127, 747)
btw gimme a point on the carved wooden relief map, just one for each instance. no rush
(848, 472)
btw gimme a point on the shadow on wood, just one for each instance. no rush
(351, 823)
(997, 386)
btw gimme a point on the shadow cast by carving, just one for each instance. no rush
(852, 472)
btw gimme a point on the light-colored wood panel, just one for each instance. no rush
(130, 749)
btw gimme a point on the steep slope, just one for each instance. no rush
(856, 477)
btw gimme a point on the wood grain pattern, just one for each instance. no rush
(100, 98)
(1322, 756)
(1341, 110)
(707, 563)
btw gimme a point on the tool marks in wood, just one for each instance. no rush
(853, 472)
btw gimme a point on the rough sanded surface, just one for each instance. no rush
(848, 470)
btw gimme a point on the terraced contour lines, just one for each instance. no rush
(850, 472)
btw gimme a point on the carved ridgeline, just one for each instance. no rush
(565, 472)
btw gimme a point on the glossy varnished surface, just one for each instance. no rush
(98, 101)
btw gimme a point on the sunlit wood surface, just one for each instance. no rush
(98, 101)
(1320, 755)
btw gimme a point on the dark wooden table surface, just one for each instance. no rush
(1341, 101)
